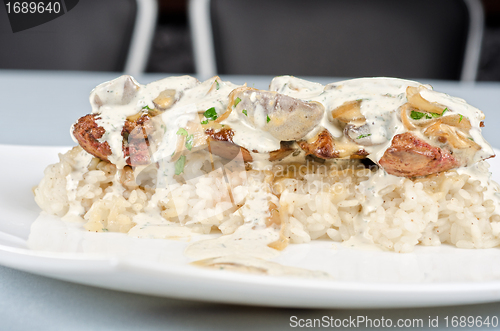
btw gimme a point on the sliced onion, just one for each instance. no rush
(416, 100)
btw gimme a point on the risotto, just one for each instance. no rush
(369, 162)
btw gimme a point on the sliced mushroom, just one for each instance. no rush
(119, 91)
(286, 148)
(359, 134)
(349, 112)
(165, 99)
(221, 143)
(284, 117)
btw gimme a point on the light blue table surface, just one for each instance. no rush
(38, 109)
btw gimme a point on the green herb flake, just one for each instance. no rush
(436, 115)
(471, 138)
(179, 165)
(146, 107)
(105, 230)
(182, 132)
(363, 136)
(189, 141)
(210, 114)
(244, 111)
(445, 110)
(217, 86)
(416, 115)
(461, 118)
(268, 119)
(237, 101)
(204, 122)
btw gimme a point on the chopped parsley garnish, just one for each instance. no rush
(217, 85)
(471, 138)
(237, 101)
(416, 115)
(182, 132)
(268, 119)
(146, 107)
(363, 136)
(189, 141)
(210, 114)
(461, 118)
(204, 122)
(179, 165)
(244, 111)
(189, 137)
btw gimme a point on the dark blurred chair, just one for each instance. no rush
(433, 39)
(96, 35)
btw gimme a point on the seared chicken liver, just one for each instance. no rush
(135, 141)
(410, 156)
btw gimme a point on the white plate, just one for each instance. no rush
(430, 276)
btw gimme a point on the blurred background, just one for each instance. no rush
(172, 51)
(421, 39)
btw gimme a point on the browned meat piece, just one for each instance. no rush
(221, 143)
(87, 132)
(360, 154)
(322, 147)
(135, 142)
(410, 156)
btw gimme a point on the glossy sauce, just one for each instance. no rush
(380, 101)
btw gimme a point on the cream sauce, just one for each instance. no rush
(380, 99)
(79, 168)
(249, 264)
(115, 100)
(250, 137)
